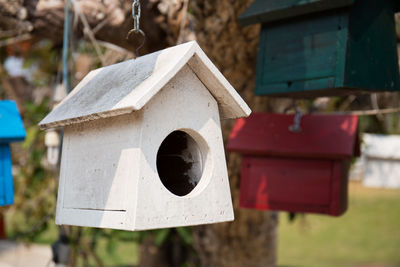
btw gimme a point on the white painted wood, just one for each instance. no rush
(128, 86)
(109, 175)
(382, 173)
(195, 111)
(381, 161)
(99, 163)
(381, 146)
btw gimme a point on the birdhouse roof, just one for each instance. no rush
(263, 11)
(11, 126)
(321, 136)
(381, 146)
(128, 86)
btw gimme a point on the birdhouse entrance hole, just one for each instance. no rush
(180, 163)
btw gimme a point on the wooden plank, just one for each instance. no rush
(93, 218)
(297, 87)
(267, 134)
(210, 200)
(267, 11)
(372, 61)
(109, 170)
(286, 184)
(381, 173)
(128, 86)
(302, 53)
(6, 180)
(332, 53)
(339, 187)
(384, 147)
(5, 169)
(341, 50)
(12, 127)
(283, 179)
(101, 158)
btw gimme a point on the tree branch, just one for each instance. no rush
(111, 21)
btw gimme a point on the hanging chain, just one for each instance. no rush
(136, 13)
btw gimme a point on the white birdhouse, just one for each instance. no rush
(143, 146)
(381, 155)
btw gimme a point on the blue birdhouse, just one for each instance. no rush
(11, 130)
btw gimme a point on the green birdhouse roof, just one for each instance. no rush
(262, 11)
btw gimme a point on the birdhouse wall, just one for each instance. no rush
(381, 160)
(110, 174)
(295, 185)
(267, 11)
(13, 131)
(183, 104)
(99, 171)
(295, 171)
(6, 179)
(302, 55)
(372, 46)
(330, 53)
(382, 173)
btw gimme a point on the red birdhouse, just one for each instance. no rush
(296, 171)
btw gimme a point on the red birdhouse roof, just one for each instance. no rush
(321, 136)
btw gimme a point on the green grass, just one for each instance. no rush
(125, 254)
(367, 235)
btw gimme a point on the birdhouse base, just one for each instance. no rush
(326, 92)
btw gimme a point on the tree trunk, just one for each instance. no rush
(251, 239)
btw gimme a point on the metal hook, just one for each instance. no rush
(296, 128)
(143, 42)
(136, 13)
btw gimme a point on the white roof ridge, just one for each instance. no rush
(135, 82)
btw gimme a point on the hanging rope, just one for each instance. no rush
(65, 45)
(372, 112)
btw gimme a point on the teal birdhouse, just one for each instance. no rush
(312, 48)
(11, 130)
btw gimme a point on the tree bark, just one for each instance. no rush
(251, 239)
(110, 21)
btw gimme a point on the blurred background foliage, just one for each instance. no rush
(31, 219)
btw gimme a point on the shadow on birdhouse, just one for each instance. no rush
(302, 171)
(142, 144)
(11, 130)
(322, 47)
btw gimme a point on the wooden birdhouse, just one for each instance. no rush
(323, 47)
(381, 161)
(11, 130)
(142, 144)
(302, 171)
